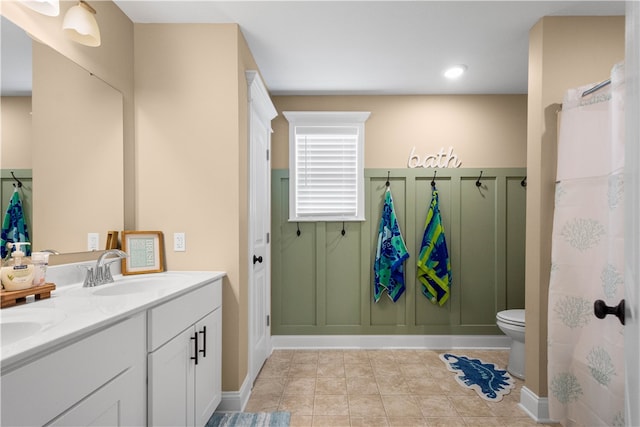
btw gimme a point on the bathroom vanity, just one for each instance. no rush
(145, 350)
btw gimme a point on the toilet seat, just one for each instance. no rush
(511, 317)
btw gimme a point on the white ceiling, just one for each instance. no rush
(379, 47)
(369, 47)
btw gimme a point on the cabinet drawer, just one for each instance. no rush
(169, 319)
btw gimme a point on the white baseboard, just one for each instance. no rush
(536, 407)
(428, 342)
(235, 401)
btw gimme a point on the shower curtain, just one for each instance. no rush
(586, 354)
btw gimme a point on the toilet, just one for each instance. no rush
(511, 322)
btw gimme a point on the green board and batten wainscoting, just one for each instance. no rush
(322, 281)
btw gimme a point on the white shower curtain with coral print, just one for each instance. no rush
(586, 354)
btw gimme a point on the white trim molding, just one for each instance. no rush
(536, 407)
(235, 401)
(427, 342)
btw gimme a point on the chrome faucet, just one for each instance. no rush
(101, 274)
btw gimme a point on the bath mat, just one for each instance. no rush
(249, 419)
(485, 379)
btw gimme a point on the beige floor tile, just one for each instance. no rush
(445, 422)
(275, 369)
(331, 421)
(362, 385)
(268, 386)
(366, 406)
(424, 385)
(335, 369)
(385, 369)
(267, 403)
(297, 386)
(400, 406)
(369, 422)
(355, 356)
(282, 355)
(436, 406)
(381, 356)
(331, 405)
(305, 356)
(297, 404)
(330, 356)
(407, 422)
(392, 385)
(411, 370)
(467, 407)
(358, 370)
(331, 386)
(483, 421)
(300, 420)
(303, 370)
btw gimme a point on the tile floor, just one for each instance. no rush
(378, 388)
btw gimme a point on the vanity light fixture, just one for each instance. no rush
(455, 71)
(80, 25)
(45, 7)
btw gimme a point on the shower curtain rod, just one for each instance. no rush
(596, 87)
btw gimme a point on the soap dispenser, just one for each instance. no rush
(16, 273)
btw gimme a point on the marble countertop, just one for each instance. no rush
(72, 312)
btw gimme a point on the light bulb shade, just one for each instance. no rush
(81, 26)
(45, 7)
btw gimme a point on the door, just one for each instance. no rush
(261, 112)
(171, 389)
(208, 369)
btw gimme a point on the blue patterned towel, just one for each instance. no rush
(390, 255)
(14, 227)
(434, 266)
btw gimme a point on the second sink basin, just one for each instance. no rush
(134, 285)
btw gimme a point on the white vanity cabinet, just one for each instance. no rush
(98, 380)
(184, 359)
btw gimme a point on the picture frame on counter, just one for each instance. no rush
(145, 250)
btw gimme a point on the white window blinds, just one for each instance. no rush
(326, 167)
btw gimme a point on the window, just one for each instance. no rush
(326, 165)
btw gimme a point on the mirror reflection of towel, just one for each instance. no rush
(390, 254)
(434, 265)
(14, 227)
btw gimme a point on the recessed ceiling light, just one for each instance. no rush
(455, 71)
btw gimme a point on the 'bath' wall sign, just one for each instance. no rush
(443, 159)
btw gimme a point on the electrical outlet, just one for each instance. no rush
(93, 241)
(179, 243)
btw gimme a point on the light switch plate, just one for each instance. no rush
(179, 243)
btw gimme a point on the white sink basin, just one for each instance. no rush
(21, 324)
(134, 285)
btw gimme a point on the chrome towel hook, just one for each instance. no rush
(478, 183)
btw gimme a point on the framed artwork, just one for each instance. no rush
(145, 250)
(112, 240)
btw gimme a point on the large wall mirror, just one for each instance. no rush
(75, 152)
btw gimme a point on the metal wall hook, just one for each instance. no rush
(524, 182)
(387, 184)
(343, 232)
(18, 182)
(298, 231)
(478, 183)
(433, 180)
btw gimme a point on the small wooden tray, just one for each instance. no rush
(11, 298)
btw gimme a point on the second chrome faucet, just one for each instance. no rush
(101, 273)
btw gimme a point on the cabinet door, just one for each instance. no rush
(171, 387)
(118, 403)
(208, 379)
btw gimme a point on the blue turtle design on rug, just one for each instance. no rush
(485, 379)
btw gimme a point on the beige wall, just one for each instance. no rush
(484, 130)
(191, 159)
(564, 52)
(112, 62)
(15, 150)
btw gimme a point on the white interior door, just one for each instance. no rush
(261, 112)
(632, 217)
